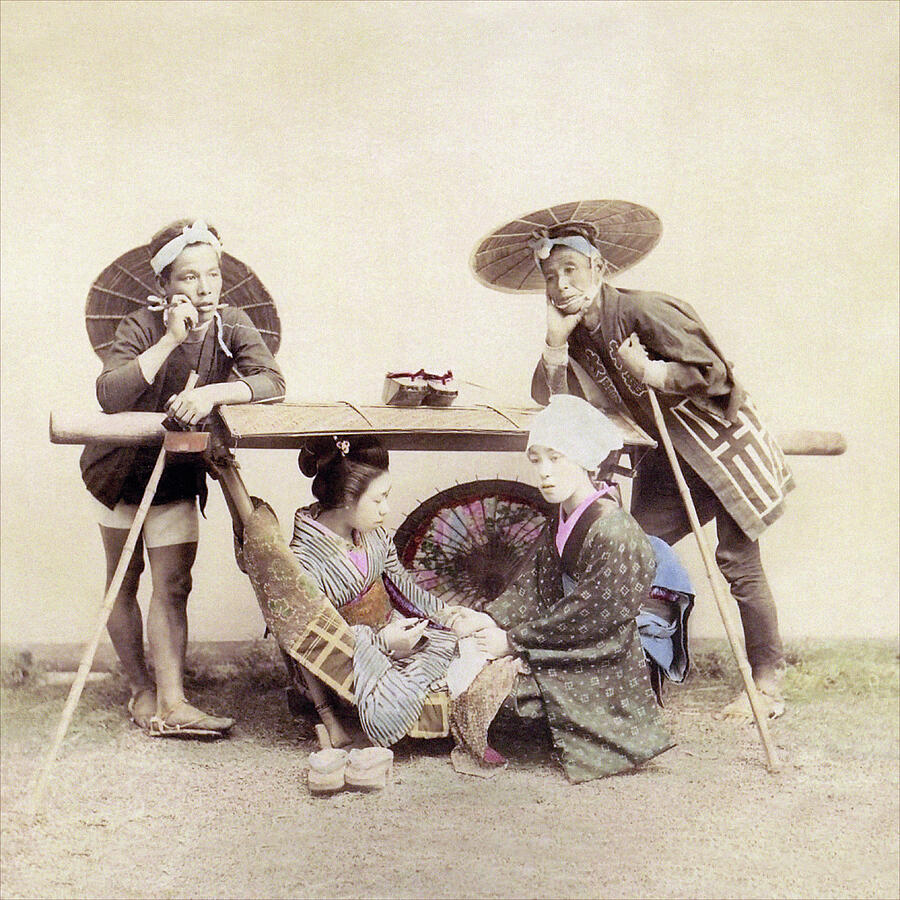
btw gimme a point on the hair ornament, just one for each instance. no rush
(342, 445)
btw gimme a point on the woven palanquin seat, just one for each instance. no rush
(306, 624)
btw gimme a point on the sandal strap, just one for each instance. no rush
(200, 719)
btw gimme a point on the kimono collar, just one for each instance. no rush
(309, 515)
(564, 530)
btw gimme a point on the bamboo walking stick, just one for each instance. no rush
(709, 563)
(87, 657)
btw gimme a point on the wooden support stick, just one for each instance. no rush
(804, 442)
(124, 429)
(708, 561)
(109, 600)
(262, 428)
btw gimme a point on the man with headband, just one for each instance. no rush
(146, 369)
(608, 345)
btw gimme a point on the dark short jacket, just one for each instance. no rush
(121, 387)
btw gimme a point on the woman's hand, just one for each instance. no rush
(493, 642)
(191, 407)
(560, 325)
(463, 621)
(402, 635)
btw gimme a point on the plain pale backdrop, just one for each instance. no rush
(353, 154)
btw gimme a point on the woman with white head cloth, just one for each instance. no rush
(571, 612)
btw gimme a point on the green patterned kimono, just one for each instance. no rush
(573, 621)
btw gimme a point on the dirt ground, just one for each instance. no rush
(131, 816)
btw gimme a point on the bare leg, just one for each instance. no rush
(167, 619)
(125, 625)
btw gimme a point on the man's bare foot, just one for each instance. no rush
(142, 707)
(184, 719)
(739, 709)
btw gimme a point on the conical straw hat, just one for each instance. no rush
(625, 233)
(125, 284)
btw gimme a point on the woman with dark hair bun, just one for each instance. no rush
(341, 478)
(404, 643)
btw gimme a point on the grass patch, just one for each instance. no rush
(847, 668)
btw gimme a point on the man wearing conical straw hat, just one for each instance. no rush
(609, 345)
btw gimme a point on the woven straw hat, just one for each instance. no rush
(623, 232)
(125, 284)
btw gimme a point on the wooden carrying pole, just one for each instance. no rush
(721, 601)
(87, 657)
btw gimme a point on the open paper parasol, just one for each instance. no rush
(124, 285)
(625, 231)
(465, 543)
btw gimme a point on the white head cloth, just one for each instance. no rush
(541, 245)
(197, 233)
(576, 429)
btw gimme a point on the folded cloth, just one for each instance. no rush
(663, 619)
(670, 573)
(465, 667)
(656, 638)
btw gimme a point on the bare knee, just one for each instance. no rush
(131, 581)
(172, 587)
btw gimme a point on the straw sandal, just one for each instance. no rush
(140, 710)
(184, 720)
(326, 770)
(403, 389)
(441, 390)
(369, 769)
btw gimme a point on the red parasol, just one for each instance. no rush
(465, 543)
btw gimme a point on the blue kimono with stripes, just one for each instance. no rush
(390, 693)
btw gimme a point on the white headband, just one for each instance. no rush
(541, 245)
(197, 233)
(576, 429)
